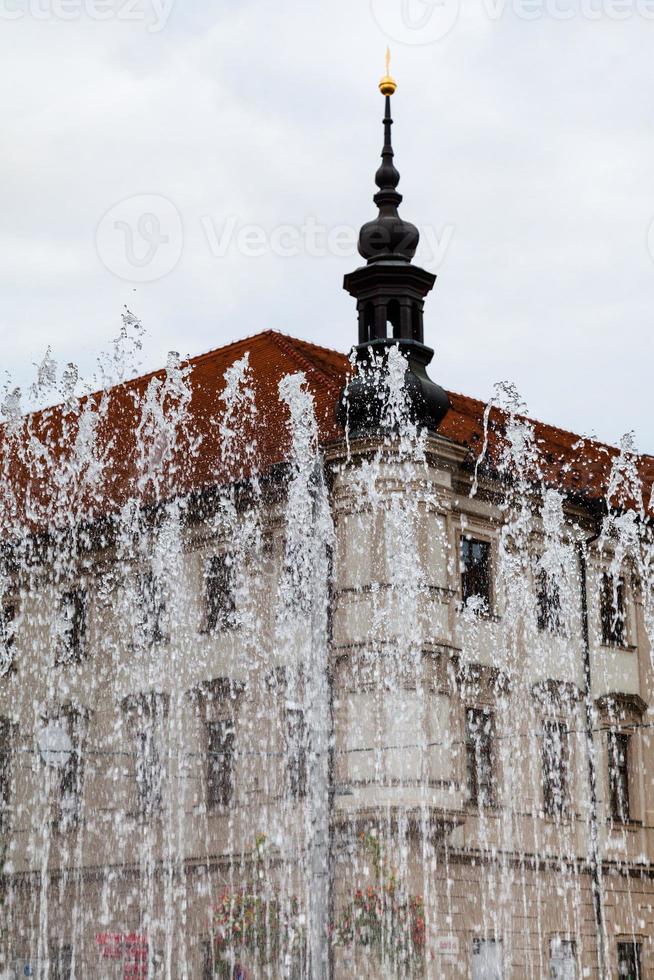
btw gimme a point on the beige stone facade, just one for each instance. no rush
(140, 836)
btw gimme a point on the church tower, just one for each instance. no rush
(390, 292)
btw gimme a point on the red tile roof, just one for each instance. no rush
(54, 492)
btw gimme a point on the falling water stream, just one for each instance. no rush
(252, 728)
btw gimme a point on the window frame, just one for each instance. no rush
(549, 614)
(614, 625)
(220, 608)
(553, 808)
(61, 956)
(220, 792)
(149, 792)
(619, 810)
(474, 756)
(71, 640)
(488, 597)
(477, 943)
(146, 713)
(296, 760)
(8, 617)
(562, 942)
(636, 945)
(6, 774)
(153, 607)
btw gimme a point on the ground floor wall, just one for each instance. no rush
(485, 918)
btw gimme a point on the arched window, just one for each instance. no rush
(393, 319)
(369, 321)
(416, 322)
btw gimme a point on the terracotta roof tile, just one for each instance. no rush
(579, 466)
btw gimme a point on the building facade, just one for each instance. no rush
(314, 671)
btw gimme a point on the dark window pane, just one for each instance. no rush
(629, 963)
(479, 756)
(613, 611)
(72, 626)
(208, 961)
(296, 753)
(618, 745)
(5, 775)
(70, 791)
(62, 962)
(153, 607)
(548, 603)
(475, 571)
(220, 763)
(555, 769)
(7, 637)
(219, 592)
(149, 774)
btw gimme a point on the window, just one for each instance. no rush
(60, 738)
(61, 958)
(71, 626)
(475, 574)
(5, 775)
(479, 756)
(563, 963)
(208, 960)
(613, 611)
(7, 637)
(149, 773)
(296, 753)
(219, 592)
(555, 769)
(487, 959)
(548, 603)
(618, 753)
(629, 962)
(70, 789)
(153, 607)
(220, 763)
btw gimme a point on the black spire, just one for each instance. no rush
(388, 237)
(390, 293)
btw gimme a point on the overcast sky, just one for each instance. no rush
(208, 162)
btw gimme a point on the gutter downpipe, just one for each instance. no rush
(595, 859)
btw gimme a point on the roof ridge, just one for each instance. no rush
(128, 383)
(286, 343)
(318, 347)
(550, 425)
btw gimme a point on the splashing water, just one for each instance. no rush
(278, 708)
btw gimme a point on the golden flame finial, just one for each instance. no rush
(388, 84)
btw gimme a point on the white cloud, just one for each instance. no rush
(532, 141)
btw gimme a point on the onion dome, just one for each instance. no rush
(388, 237)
